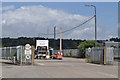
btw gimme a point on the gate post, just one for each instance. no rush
(33, 55)
(21, 54)
(5, 52)
(104, 56)
(10, 53)
(14, 59)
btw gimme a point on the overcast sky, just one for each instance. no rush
(31, 19)
(119, 20)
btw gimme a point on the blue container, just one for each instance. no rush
(54, 53)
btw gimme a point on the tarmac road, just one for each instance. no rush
(66, 68)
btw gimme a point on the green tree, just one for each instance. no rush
(87, 44)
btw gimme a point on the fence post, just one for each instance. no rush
(33, 55)
(0, 53)
(104, 54)
(14, 59)
(21, 54)
(5, 52)
(10, 53)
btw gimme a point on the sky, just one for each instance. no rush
(119, 20)
(33, 19)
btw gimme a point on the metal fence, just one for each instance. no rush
(97, 55)
(101, 55)
(15, 54)
(109, 55)
(116, 52)
(71, 53)
(20, 58)
(8, 52)
(0, 53)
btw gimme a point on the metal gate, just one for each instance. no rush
(16, 55)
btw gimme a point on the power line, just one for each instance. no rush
(78, 25)
(71, 28)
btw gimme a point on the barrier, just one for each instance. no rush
(16, 55)
(72, 53)
(101, 55)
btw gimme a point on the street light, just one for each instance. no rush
(95, 21)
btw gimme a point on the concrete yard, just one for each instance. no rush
(66, 68)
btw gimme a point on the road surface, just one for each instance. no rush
(66, 68)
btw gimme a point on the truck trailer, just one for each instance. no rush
(42, 49)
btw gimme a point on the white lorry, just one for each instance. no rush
(42, 49)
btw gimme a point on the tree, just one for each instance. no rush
(87, 44)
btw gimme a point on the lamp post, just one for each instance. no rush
(95, 21)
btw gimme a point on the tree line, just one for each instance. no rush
(67, 43)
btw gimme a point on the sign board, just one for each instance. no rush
(28, 52)
(28, 56)
(51, 48)
(89, 50)
(27, 47)
(42, 43)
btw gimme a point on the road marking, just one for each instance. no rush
(41, 64)
(95, 64)
(56, 63)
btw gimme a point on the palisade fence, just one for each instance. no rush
(15, 54)
(102, 55)
(8, 52)
(72, 53)
(95, 55)
(116, 52)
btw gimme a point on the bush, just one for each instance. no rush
(89, 60)
(87, 44)
(15, 54)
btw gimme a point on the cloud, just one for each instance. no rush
(33, 20)
(118, 30)
(7, 8)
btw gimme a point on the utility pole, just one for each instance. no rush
(60, 40)
(95, 25)
(95, 22)
(55, 37)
